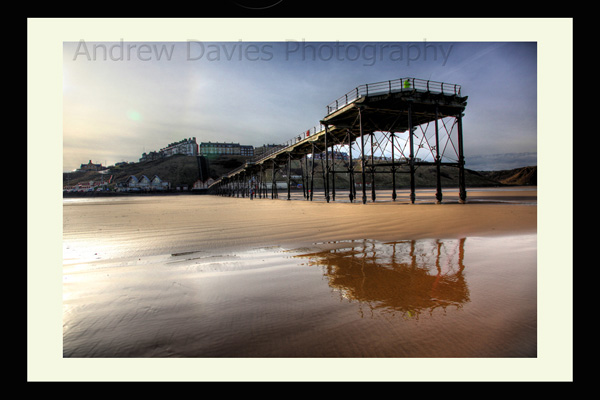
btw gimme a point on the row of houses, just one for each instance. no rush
(91, 186)
(143, 183)
(190, 147)
(134, 184)
(131, 184)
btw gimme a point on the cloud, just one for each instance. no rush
(256, 93)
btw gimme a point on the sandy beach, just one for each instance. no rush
(157, 225)
(207, 276)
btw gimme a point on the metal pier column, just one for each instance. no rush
(332, 173)
(312, 172)
(462, 192)
(273, 183)
(362, 158)
(393, 169)
(289, 182)
(352, 194)
(372, 169)
(304, 184)
(326, 180)
(438, 160)
(412, 155)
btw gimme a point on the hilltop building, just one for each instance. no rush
(91, 167)
(218, 148)
(188, 147)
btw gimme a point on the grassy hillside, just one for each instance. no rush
(518, 176)
(182, 170)
(178, 170)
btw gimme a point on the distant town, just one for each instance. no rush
(188, 147)
(199, 173)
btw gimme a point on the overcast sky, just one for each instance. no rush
(122, 98)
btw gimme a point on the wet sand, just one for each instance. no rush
(214, 277)
(172, 224)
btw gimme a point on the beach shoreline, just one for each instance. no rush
(203, 223)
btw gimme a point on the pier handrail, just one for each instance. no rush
(393, 86)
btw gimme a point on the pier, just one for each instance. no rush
(390, 127)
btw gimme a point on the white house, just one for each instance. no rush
(157, 184)
(132, 182)
(203, 185)
(144, 183)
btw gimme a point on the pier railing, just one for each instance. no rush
(369, 89)
(275, 149)
(393, 86)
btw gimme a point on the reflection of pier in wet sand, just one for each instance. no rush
(410, 277)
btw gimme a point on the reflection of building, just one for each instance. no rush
(218, 148)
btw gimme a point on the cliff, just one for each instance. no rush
(519, 176)
(180, 170)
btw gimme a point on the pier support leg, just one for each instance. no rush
(332, 173)
(273, 183)
(289, 171)
(352, 194)
(438, 160)
(259, 183)
(243, 184)
(265, 189)
(304, 185)
(326, 177)
(372, 169)
(362, 158)
(393, 169)
(312, 173)
(462, 191)
(412, 155)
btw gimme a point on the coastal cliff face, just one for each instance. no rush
(520, 176)
(178, 170)
(185, 170)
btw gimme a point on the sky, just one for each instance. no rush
(124, 98)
